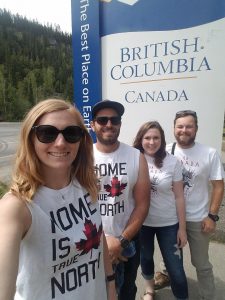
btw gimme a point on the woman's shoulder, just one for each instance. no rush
(13, 209)
(9, 199)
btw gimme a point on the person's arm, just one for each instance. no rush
(109, 273)
(181, 213)
(14, 221)
(141, 193)
(208, 225)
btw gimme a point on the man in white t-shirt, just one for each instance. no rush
(201, 165)
(124, 191)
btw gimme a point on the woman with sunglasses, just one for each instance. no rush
(166, 217)
(53, 246)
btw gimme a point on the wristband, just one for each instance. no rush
(110, 277)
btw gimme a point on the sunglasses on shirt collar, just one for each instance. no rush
(48, 133)
(116, 120)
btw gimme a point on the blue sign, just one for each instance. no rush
(86, 56)
(148, 15)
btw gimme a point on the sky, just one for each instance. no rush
(44, 11)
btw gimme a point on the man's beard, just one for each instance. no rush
(186, 143)
(108, 141)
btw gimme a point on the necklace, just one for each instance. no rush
(63, 192)
(62, 196)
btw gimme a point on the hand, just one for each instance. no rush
(181, 238)
(122, 258)
(115, 249)
(208, 225)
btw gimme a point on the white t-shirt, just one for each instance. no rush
(61, 256)
(162, 211)
(200, 165)
(118, 173)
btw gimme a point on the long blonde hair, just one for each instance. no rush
(27, 176)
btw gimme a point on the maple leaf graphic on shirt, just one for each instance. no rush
(93, 237)
(116, 188)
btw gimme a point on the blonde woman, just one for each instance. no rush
(53, 246)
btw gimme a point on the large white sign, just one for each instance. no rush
(155, 74)
(156, 58)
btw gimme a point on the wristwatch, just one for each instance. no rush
(215, 218)
(123, 242)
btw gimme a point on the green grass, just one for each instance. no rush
(3, 189)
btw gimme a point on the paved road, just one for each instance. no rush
(8, 142)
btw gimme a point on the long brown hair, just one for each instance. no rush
(161, 153)
(27, 176)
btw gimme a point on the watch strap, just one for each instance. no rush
(110, 277)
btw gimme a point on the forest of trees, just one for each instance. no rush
(35, 63)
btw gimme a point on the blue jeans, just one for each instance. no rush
(128, 289)
(172, 256)
(128, 252)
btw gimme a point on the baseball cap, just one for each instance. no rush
(119, 108)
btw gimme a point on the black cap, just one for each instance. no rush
(119, 108)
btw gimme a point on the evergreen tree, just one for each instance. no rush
(35, 63)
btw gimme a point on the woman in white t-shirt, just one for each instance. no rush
(166, 217)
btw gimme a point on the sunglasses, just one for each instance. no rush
(104, 120)
(184, 113)
(48, 133)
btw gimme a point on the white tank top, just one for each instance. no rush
(61, 256)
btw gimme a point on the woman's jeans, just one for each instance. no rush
(172, 256)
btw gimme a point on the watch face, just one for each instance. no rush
(124, 242)
(215, 218)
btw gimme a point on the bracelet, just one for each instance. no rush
(110, 277)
